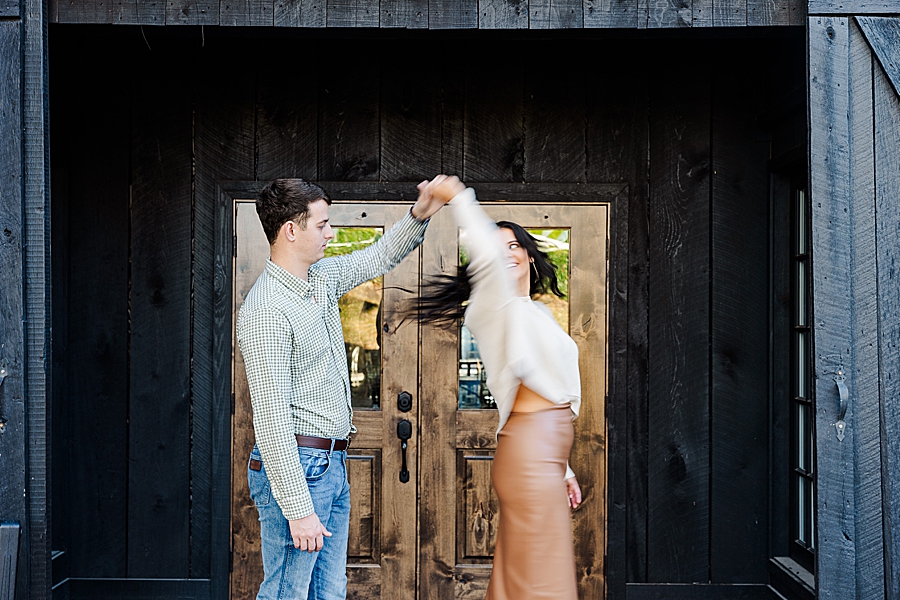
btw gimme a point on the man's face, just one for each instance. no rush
(310, 242)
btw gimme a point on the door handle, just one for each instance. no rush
(404, 432)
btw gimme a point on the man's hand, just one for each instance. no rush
(573, 491)
(434, 194)
(307, 533)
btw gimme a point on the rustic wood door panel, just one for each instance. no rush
(382, 541)
(459, 512)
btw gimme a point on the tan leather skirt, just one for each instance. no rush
(534, 557)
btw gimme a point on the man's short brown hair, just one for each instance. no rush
(285, 200)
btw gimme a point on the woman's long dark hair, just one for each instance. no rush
(443, 298)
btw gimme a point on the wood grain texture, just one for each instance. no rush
(363, 473)
(852, 7)
(98, 151)
(13, 442)
(10, 8)
(299, 13)
(670, 13)
(616, 148)
(351, 13)
(869, 574)
(766, 13)
(494, 136)
(409, 14)
(612, 13)
(349, 148)
(554, 116)
(739, 413)
(730, 13)
(480, 508)
(137, 589)
(503, 14)
(674, 591)
(883, 35)
(832, 235)
(453, 14)
(159, 486)
(555, 14)
(190, 12)
(410, 114)
(139, 12)
(679, 336)
(287, 121)
(887, 184)
(254, 13)
(73, 11)
(224, 149)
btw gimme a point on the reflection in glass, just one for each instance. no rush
(361, 319)
(473, 390)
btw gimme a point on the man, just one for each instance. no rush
(290, 334)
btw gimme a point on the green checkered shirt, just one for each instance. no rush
(289, 331)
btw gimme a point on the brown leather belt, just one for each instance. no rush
(308, 441)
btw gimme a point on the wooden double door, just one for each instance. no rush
(429, 532)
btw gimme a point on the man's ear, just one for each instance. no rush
(290, 230)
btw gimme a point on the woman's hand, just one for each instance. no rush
(434, 194)
(573, 491)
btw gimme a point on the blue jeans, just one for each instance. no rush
(292, 574)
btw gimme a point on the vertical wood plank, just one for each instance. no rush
(556, 14)
(224, 149)
(139, 12)
(352, 13)
(481, 508)
(349, 118)
(767, 13)
(797, 9)
(362, 472)
(887, 169)
(611, 14)
(255, 13)
(702, 13)
(85, 12)
(410, 114)
(409, 14)
(869, 574)
(13, 442)
(730, 13)
(495, 107)
(287, 119)
(669, 13)
(502, 14)
(678, 411)
(191, 12)
(453, 14)
(832, 234)
(453, 110)
(159, 487)
(740, 337)
(98, 154)
(299, 13)
(554, 148)
(882, 33)
(616, 147)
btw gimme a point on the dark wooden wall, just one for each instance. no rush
(146, 123)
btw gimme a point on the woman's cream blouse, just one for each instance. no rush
(519, 340)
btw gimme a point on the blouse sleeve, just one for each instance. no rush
(491, 287)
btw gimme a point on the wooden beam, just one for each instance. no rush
(832, 236)
(10, 8)
(13, 440)
(887, 185)
(883, 35)
(852, 7)
(35, 110)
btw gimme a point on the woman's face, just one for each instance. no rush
(519, 263)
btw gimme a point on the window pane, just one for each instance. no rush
(802, 367)
(361, 319)
(801, 510)
(802, 435)
(473, 390)
(811, 503)
(802, 242)
(801, 293)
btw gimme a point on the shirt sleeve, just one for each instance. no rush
(569, 472)
(348, 271)
(491, 286)
(266, 342)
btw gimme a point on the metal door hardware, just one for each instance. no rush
(404, 401)
(404, 432)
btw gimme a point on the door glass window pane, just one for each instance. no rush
(473, 390)
(361, 319)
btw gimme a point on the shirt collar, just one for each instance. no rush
(290, 281)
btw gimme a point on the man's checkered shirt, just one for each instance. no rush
(289, 331)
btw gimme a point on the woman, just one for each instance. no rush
(532, 370)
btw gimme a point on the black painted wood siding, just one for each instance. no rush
(437, 14)
(145, 129)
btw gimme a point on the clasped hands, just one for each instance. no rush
(434, 194)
